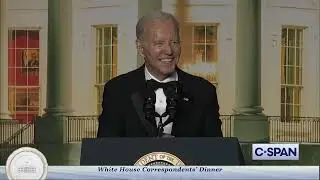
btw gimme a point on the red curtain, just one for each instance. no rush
(23, 51)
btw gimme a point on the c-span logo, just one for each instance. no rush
(26, 163)
(159, 159)
(275, 151)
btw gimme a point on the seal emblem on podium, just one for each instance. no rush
(159, 159)
(26, 163)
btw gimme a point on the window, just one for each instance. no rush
(106, 58)
(291, 72)
(204, 52)
(24, 89)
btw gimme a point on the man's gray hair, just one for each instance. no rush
(156, 15)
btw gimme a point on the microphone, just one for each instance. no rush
(149, 105)
(149, 110)
(172, 94)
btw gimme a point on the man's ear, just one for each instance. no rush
(139, 47)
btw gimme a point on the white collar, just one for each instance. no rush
(148, 76)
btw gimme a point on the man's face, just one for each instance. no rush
(160, 48)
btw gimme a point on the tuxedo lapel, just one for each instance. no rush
(137, 98)
(185, 104)
(137, 101)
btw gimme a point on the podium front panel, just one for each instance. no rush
(191, 151)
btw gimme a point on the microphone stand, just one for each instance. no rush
(149, 106)
(160, 127)
(171, 111)
(161, 124)
(150, 113)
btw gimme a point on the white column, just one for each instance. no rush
(4, 110)
(248, 59)
(59, 86)
(50, 131)
(251, 125)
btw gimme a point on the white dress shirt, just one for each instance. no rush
(161, 103)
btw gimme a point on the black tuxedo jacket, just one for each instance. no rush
(122, 116)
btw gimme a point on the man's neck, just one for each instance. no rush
(172, 77)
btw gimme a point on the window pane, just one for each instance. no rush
(298, 56)
(21, 100)
(19, 58)
(33, 101)
(114, 59)
(284, 37)
(291, 37)
(11, 39)
(12, 99)
(289, 95)
(100, 50)
(211, 53)
(21, 76)
(285, 74)
(198, 53)
(12, 76)
(33, 39)
(21, 39)
(291, 56)
(11, 57)
(107, 55)
(99, 37)
(107, 36)
(283, 110)
(290, 75)
(283, 95)
(99, 74)
(211, 34)
(298, 76)
(283, 55)
(31, 58)
(199, 34)
(296, 111)
(33, 77)
(114, 35)
(289, 110)
(107, 72)
(114, 70)
(297, 96)
(283, 81)
(299, 37)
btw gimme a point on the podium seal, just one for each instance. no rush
(159, 159)
(26, 163)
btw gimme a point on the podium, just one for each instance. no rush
(204, 151)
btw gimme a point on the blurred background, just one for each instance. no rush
(56, 55)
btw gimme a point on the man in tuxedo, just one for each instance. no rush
(159, 99)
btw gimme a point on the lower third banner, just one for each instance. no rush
(161, 172)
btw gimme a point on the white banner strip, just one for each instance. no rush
(172, 172)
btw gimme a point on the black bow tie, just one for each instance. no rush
(154, 85)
